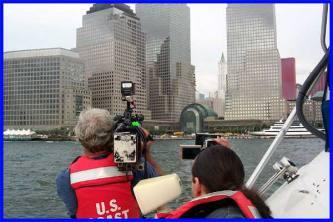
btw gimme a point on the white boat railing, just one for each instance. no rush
(271, 149)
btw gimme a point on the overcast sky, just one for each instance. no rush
(29, 26)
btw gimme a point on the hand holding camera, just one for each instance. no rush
(202, 141)
(149, 140)
(222, 141)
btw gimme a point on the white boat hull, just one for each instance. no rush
(308, 195)
(288, 134)
(294, 131)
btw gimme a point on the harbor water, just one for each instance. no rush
(30, 169)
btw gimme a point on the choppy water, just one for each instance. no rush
(30, 169)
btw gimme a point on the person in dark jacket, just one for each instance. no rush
(92, 186)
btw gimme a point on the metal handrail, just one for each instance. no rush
(312, 77)
(303, 92)
(323, 28)
(272, 180)
(264, 160)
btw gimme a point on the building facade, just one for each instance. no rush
(206, 101)
(218, 103)
(112, 45)
(221, 88)
(214, 102)
(193, 116)
(168, 58)
(222, 74)
(44, 89)
(254, 67)
(311, 110)
(319, 85)
(199, 96)
(288, 72)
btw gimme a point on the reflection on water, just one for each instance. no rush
(30, 169)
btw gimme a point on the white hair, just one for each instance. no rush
(94, 129)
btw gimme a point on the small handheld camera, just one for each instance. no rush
(209, 142)
(127, 132)
(202, 141)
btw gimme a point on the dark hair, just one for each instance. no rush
(219, 168)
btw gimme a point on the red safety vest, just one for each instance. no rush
(102, 191)
(244, 204)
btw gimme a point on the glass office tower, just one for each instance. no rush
(112, 45)
(253, 76)
(168, 58)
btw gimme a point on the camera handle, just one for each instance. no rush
(144, 140)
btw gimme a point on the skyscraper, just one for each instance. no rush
(222, 74)
(288, 72)
(222, 87)
(168, 58)
(111, 44)
(253, 77)
(44, 88)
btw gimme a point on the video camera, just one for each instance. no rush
(127, 132)
(202, 141)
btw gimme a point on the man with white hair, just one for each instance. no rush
(93, 186)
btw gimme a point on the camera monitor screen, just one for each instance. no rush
(125, 148)
(189, 152)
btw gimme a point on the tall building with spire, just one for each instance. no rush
(254, 67)
(168, 58)
(222, 74)
(112, 45)
(222, 87)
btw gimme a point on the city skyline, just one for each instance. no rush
(206, 47)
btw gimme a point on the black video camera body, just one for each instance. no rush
(127, 132)
(202, 141)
